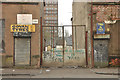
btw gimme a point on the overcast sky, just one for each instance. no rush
(65, 13)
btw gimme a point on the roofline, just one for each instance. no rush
(36, 3)
(106, 3)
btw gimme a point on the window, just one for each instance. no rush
(55, 12)
(46, 8)
(46, 21)
(55, 8)
(55, 18)
(46, 11)
(2, 35)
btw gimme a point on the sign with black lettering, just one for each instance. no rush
(22, 28)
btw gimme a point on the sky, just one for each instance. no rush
(65, 13)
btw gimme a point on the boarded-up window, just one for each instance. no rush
(2, 36)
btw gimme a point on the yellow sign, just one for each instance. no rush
(100, 29)
(22, 28)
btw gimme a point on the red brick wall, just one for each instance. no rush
(9, 13)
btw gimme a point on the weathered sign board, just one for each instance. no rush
(24, 19)
(101, 36)
(100, 28)
(35, 21)
(22, 28)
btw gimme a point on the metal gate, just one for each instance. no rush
(101, 53)
(22, 51)
(62, 48)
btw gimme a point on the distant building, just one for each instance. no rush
(51, 13)
(68, 41)
(59, 42)
(50, 20)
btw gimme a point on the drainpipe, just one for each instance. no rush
(86, 48)
(92, 35)
(72, 35)
(41, 41)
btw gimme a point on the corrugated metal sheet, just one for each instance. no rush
(101, 53)
(22, 51)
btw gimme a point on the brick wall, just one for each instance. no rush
(9, 13)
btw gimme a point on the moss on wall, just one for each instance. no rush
(35, 61)
(7, 60)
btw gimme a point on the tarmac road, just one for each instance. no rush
(55, 73)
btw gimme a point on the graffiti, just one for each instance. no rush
(58, 59)
(73, 57)
(76, 54)
(57, 55)
(53, 56)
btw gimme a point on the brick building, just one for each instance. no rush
(21, 48)
(51, 13)
(104, 34)
(106, 44)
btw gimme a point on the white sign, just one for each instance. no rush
(35, 21)
(45, 48)
(110, 22)
(24, 19)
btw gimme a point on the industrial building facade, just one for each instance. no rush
(27, 41)
(102, 29)
(21, 38)
(106, 33)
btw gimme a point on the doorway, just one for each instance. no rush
(22, 51)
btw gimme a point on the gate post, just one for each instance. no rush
(92, 50)
(63, 44)
(41, 42)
